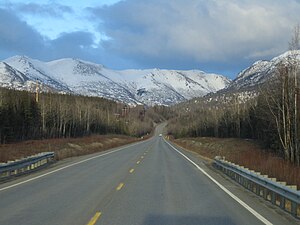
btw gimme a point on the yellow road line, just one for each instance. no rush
(94, 219)
(138, 162)
(120, 186)
(142, 157)
(131, 171)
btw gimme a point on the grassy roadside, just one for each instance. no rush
(245, 153)
(64, 147)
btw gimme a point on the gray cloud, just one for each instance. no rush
(208, 34)
(18, 38)
(75, 44)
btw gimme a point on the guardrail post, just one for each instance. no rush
(258, 189)
(294, 209)
(265, 194)
(273, 198)
(282, 202)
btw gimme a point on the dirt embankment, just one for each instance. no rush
(64, 147)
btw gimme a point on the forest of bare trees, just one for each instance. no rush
(23, 116)
(270, 117)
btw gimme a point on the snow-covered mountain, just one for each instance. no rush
(261, 71)
(152, 86)
(249, 82)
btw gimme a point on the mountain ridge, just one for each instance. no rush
(250, 81)
(262, 70)
(149, 87)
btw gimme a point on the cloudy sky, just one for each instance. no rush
(221, 36)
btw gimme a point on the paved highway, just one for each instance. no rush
(148, 183)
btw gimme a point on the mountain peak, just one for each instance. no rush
(262, 70)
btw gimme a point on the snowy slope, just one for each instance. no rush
(14, 79)
(152, 86)
(34, 70)
(262, 71)
(88, 79)
(9, 77)
(167, 86)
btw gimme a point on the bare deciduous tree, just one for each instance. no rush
(294, 46)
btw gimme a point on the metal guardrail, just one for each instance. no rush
(26, 165)
(278, 193)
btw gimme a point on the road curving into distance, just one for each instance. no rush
(146, 183)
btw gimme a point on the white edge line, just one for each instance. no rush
(256, 214)
(65, 167)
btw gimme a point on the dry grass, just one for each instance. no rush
(63, 148)
(245, 153)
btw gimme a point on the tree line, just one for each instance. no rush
(23, 116)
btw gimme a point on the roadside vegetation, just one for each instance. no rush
(247, 153)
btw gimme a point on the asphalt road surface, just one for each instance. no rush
(147, 183)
